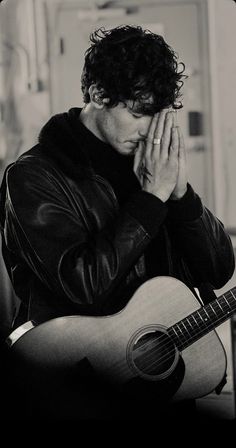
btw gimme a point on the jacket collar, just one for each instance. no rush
(64, 139)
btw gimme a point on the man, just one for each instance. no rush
(102, 203)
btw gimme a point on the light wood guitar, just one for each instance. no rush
(163, 335)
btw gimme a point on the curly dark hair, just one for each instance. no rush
(132, 63)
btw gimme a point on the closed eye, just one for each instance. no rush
(136, 115)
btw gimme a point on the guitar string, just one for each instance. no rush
(161, 344)
(200, 323)
(197, 332)
(170, 343)
(163, 359)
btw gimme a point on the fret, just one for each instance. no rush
(208, 316)
(178, 336)
(212, 309)
(205, 315)
(181, 331)
(195, 324)
(227, 301)
(233, 296)
(199, 312)
(231, 292)
(220, 306)
(230, 299)
(186, 328)
(173, 328)
(188, 320)
(194, 319)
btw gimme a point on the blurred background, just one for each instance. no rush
(42, 45)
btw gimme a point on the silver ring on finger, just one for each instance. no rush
(156, 141)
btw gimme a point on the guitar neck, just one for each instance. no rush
(203, 320)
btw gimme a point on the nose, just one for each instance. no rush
(144, 123)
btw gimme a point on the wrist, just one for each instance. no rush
(188, 208)
(177, 195)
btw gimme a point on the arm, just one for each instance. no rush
(201, 240)
(56, 241)
(199, 237)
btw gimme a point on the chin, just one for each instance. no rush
(125, 150)
(128, 152)
(130, 148)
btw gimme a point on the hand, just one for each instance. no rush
(156, 162)
(181, 184)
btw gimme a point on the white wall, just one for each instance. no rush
(222, 38)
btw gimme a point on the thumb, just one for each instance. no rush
(138, 157)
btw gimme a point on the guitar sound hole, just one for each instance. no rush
(154, 354)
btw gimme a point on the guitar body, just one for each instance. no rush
(132, 344)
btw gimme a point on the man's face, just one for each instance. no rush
(123, 127)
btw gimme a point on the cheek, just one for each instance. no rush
(120, 129)
(127, 125)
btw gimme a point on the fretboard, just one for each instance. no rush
(202, 321)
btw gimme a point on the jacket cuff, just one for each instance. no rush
(148, 210)
(188, 208)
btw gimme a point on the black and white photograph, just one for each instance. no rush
(118, 211)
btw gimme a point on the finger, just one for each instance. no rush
(156, 135)
(161, 124)
(138, 157)
(182, 164)
(174, 146)
(156, 128)
(182, 152)
(150, 136)
(175, 120)
(167, 135)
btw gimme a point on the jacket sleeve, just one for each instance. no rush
(52, 236)
(201, 240)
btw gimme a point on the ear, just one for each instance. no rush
(96, 97)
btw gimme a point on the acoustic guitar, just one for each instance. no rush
(162, 336)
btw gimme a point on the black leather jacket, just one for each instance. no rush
(70, 248)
